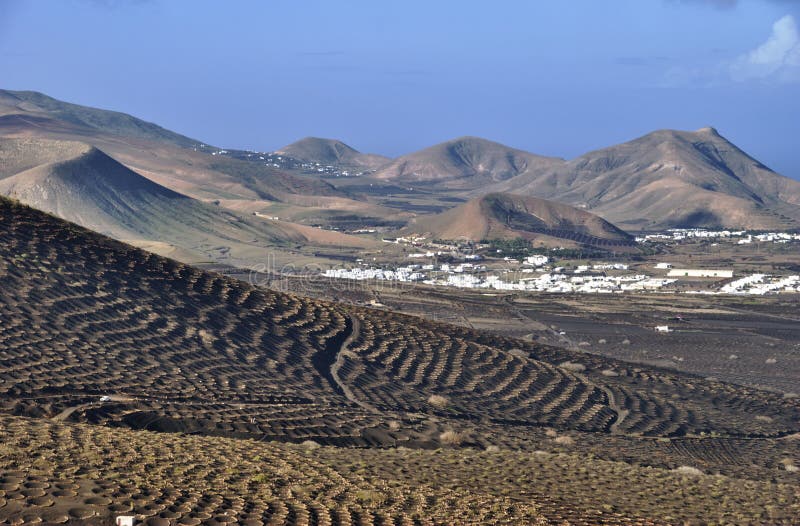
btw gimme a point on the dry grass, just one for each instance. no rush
(452, 438)
(573, 367)
(688, 471)
(438, 401)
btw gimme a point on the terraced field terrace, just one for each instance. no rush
(229, 403)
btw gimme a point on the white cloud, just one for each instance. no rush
(777, 58)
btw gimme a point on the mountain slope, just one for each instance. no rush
(168, 158)
(507, 216)
(670, 178)
(88, 187)
(463, 163)
(331, 152)
(263, 407)
(40, 105)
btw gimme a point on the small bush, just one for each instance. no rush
(371, 498)
(451, 438)
(573, 366)
(438, 401)
(688, 471)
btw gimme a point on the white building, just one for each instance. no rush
(537, 260)
(699, 273)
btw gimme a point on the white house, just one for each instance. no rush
(537, 260)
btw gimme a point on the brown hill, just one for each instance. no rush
(507, 216)
(467, 163)
(170, 159)
(82, 184)
(670, 179)
(18, 104)
(331, 152)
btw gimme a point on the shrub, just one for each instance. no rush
(371, 498)
(573, 366)
(438, 401)
(564, 440)
(451, 438)
(688, 471)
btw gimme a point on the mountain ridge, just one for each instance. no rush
(466, 162)
(669, 178)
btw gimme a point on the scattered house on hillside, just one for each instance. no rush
(664, 266)
(699, 273)
(663, 328)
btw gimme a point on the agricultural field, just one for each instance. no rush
(130, 383)
(752, 341)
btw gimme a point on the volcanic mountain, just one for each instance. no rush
(465, 163)
(507, 216)
(331, 152)
(37, 108)
(670, 179)
(170, 159)
(82, 184)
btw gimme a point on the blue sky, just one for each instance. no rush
(552, 77)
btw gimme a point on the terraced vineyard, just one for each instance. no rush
(218, 368)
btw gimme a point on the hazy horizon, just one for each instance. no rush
(552, 78)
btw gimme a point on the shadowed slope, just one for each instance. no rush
(189, 348)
